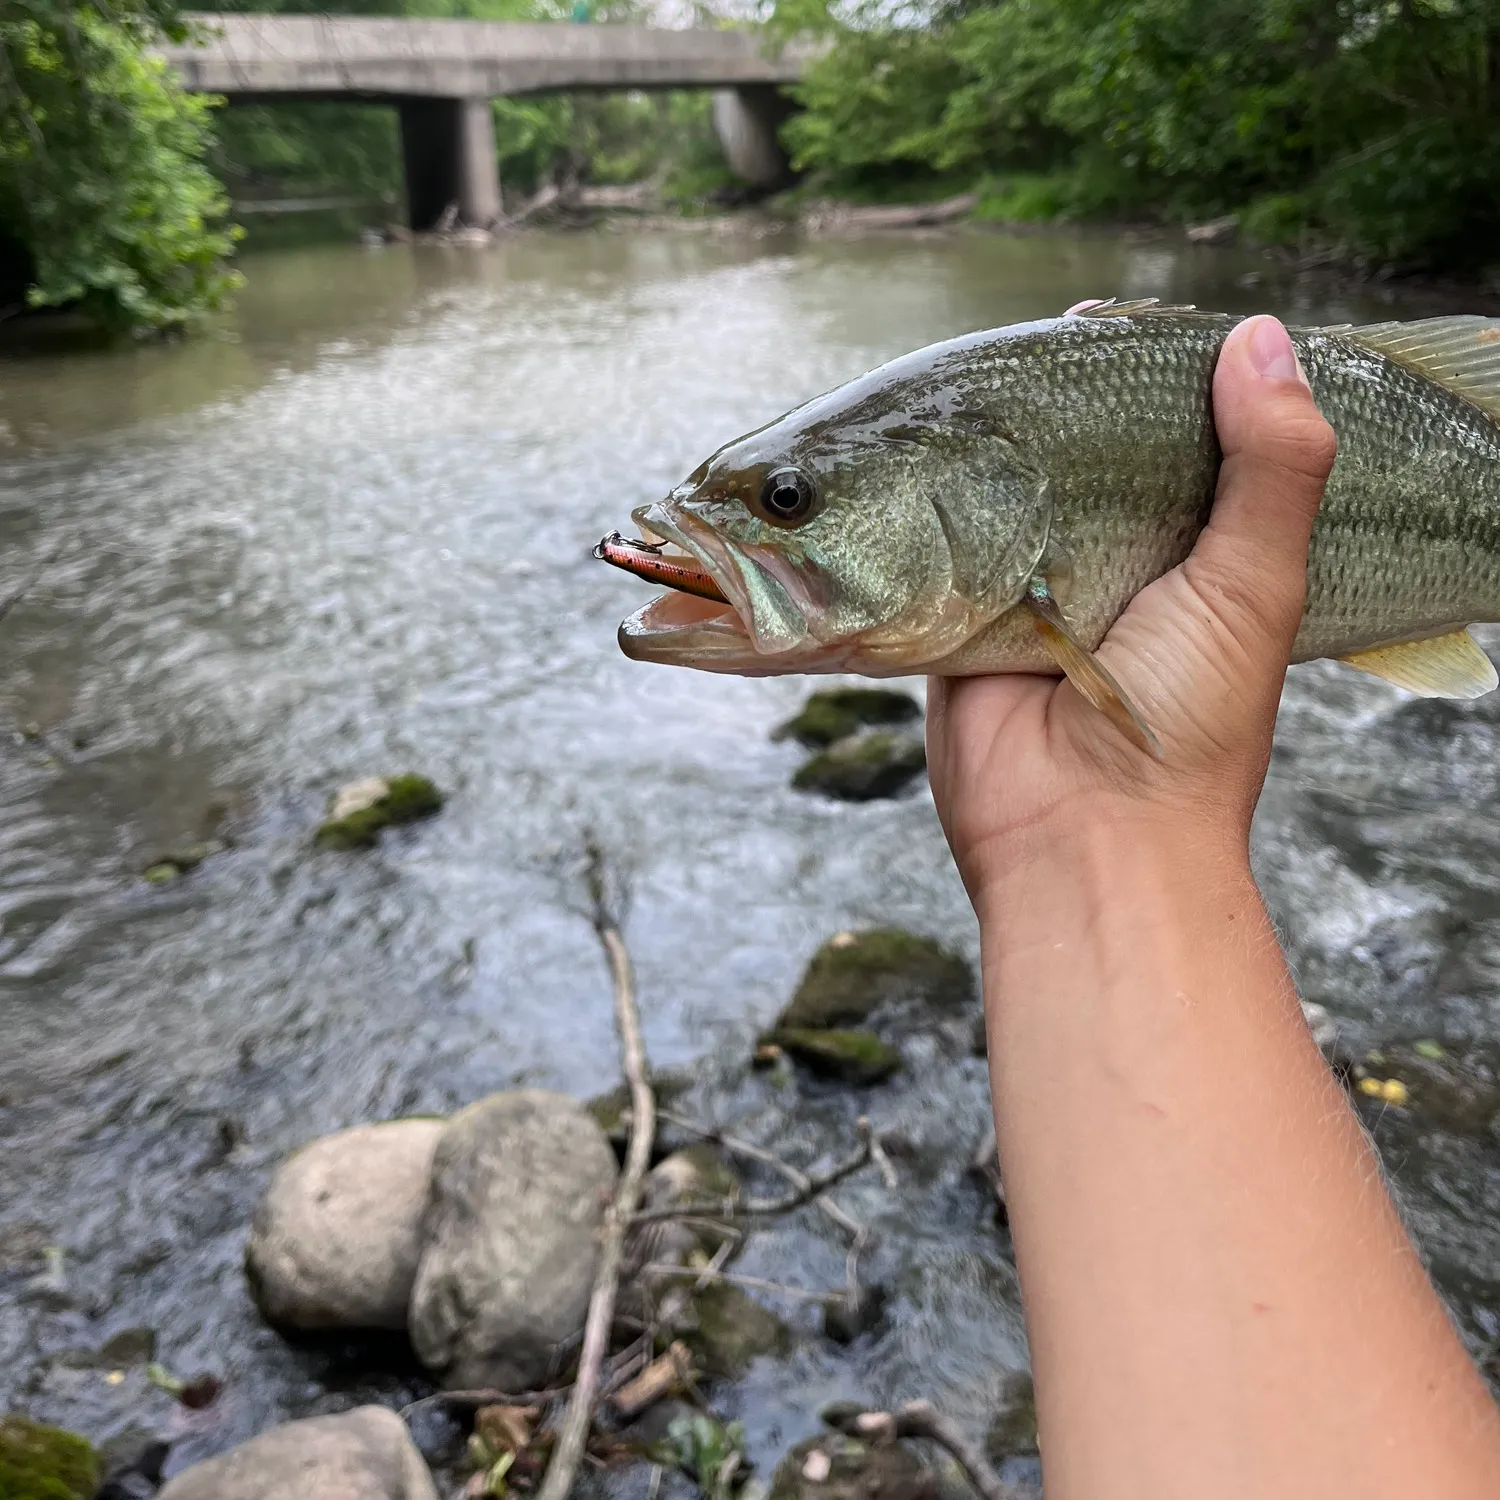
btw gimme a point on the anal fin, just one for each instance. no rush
(1442, 666)
(1085, 672)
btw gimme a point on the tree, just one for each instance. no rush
(103, 195)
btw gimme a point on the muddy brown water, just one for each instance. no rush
(349, 533)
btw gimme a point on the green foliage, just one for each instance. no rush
(1370, 125)
(101, 179)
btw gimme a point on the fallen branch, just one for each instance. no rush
(572, 1437)
(921, 1419)
(761, 1208)
(798, 1179)
(704, 1277)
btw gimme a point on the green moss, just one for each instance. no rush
(1013, 1431)
(849, 1056)
(161, 874)
(837, 713)
(45, 1463)
(873, 763)
(733, 1329)
(407, 798)
(856, 1471)
(854, 974)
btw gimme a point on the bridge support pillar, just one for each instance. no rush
(746, 120)
(448, 149)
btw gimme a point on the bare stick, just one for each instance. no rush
(572, 1437)
(921, 1419)
(731, 1278)
(798, 1179)
(759, 1208)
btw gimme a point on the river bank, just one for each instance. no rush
(349, 534)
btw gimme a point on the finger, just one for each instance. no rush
(1277, 453)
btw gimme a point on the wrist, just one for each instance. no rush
(1106, 854)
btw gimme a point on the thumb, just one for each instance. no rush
(1251, 560)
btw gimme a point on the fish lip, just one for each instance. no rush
(723, 641)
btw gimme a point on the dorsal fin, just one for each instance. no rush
(1148, 307)
(1462, 354)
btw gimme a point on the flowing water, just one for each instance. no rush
(349, 534)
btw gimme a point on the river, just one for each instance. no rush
(348, 533)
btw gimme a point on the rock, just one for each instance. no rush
(364, 1454)
(832, 1466)
(1324, 1029)
(1013, 1431)
(843, 1321)
(1223, 231)
(334, 1242)
(359, 811)
(176, 863)
(836, 713)
(509, 1239)
(45, 1463)
(855, 974)
(860, 767)
(850, 1056)
(1456, 1089)
(726, 1329)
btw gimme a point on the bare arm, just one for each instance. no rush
(1221, 1300)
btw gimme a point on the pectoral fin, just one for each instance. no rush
(1443, 666)
(1084, 671)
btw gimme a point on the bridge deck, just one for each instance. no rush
(407, 58)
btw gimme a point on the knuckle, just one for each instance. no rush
(1304, 446)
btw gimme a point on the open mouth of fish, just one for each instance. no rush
(708, 616)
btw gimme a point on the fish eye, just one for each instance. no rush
(788, 494)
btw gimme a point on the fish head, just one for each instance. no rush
(874, 530)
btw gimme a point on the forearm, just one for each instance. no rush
(1220, 1298)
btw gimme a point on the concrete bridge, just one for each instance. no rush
(441, 76)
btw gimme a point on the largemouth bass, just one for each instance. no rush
(992, 504)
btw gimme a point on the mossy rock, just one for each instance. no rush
(404, 799)
(1012, 1433)
(861, 767)
(835, 713)
(45, 1463)
(855, 1471)
(850, 1056)
(1456, 1089)
(732, 1329)
(177, 862)
(854, 974)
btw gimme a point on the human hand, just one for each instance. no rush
(1202, 652)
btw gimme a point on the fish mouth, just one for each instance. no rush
(729, 634)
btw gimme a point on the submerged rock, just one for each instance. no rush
(855, 974)
(835, 1467)
(335, 1240)
(850, 1056)
(45, 1463)
(510, 1239)
(1012, 1433)
(836, 713)
(176, 863)
(364, 1454)
(861, 767)
(1456, 1089)
(362, 809)
(726, 1328)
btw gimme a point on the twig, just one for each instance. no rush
(921, 1419)
(731, 1278)
(883, 1165)
(752, 1152)
(761, 1208)
(484, 1397)
(572, 1437)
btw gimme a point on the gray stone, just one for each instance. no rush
(364, 1454)
(334, 1243)
(510, 1239)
